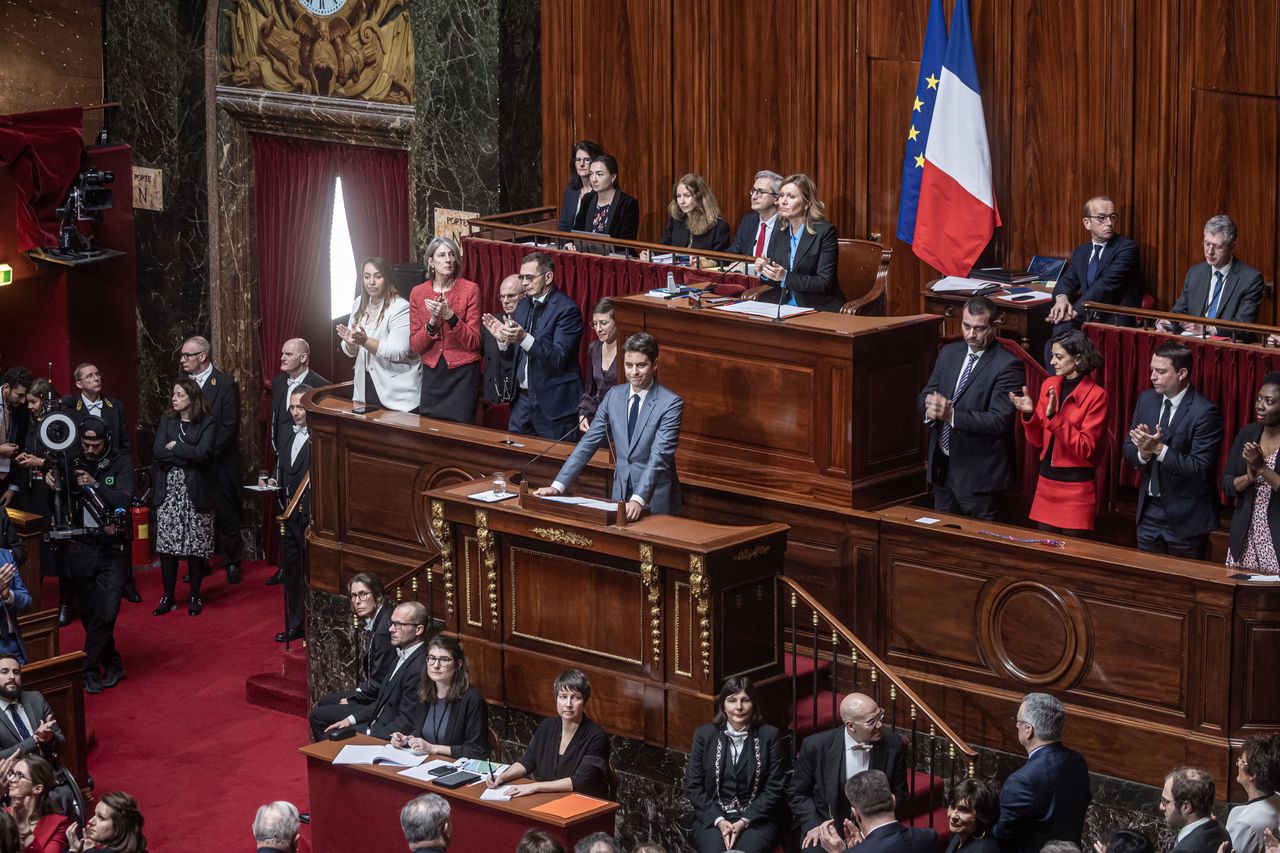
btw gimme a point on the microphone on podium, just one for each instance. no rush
(544, 452)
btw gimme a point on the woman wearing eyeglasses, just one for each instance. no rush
(373, 619)
(30, 781)
(579, 182)
(456, 720)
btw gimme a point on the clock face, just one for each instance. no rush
(323, 8)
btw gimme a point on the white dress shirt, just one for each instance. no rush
(857, 756)
(203, 376)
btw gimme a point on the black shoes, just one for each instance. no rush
(164, 606)
(112, 677)
(92, 684)
(289, 636)
(276, 579)
(233, 573)
(195, 606)
(64, 615)
(131, 593)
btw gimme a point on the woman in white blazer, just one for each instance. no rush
(388, 373)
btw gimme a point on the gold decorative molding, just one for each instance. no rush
(561, 537)
(698, 583)
(364, 51)
(751, 553)
(469, 605)
(681, 588)
(652, 583)
(489, 561)
(443, 533)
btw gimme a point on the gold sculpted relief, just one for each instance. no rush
(443, 534)
(363, 51)
(649, 577)
(489, 559)
(561, 537)
(698, 583)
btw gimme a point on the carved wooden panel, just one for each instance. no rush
(1234, 46)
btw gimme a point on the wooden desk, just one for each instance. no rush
(820, 408)
(1026, 323)
(648, 611)
(357, 807)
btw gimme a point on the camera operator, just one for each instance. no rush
(102, 480)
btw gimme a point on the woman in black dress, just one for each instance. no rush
(456, 721)
(568, 752)
(579, 182)
(184, 492)
(736, 776)
(695, 221)
(603, 354)
(974, 808)
(607, 209)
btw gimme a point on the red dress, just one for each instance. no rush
(1071, 445)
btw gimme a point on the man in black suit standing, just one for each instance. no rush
(756, 229)
(292, 467)
(223, 396)
(14, 420)
(396, 707)
(1187, 805)
(1045, 799)
(1222, 287)
(873, 827)
(828, 760)
(970, 416)
(1105, 269)
(499, 364)
(1174, 441)
(295, 371)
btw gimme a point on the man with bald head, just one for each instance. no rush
(295, 371)
(828, 760)
(498, 384)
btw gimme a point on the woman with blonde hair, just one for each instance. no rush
(695, 221)
(444, 328)
(803, 256)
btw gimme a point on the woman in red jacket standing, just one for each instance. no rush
(444, 327)
(1067, 423)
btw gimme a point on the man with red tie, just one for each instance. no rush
(756, 228)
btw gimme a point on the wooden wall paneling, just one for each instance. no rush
(561, 32)
(1236, 46)
(991, 24)
(838, 125)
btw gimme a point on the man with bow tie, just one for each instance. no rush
(293, 465)
(828, 760)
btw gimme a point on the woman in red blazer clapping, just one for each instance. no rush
(444, 328)
(1067, 423)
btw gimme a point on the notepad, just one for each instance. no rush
(570, 805)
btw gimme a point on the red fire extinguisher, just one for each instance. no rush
(141, 517)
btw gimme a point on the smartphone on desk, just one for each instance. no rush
(364, 410)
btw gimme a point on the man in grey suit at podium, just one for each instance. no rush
(641, 421)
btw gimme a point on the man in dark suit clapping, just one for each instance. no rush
(1187, 805)
(873, 828)
(1174, 441)
(1046, 798)
(970, 416)
(499, 383)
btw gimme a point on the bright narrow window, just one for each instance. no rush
(342, 260)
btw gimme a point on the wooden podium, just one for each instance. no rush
(646, 610)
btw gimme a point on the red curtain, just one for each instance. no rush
(42, 152)
(375, 193)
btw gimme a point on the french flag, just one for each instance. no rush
(957, 215)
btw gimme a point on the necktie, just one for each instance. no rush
(760, 242)
(23, 731)
(1166, 412)
(633, 415)
(520, 353)
(945, 439)
(1093, 261)
(1215, 296)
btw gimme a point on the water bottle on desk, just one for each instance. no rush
(671, 282)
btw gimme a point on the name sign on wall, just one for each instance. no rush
(148, 189)
(453, 223)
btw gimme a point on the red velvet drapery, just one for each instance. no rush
(376, 196)
(42, 152)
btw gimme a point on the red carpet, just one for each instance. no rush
(177, 733)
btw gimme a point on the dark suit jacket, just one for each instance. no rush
(816, 790)
(553, 359)
(196, 452)
(223, 396)
(982, 432)
(379, 657)
(569, 206)
(676, 233)
(397, 707)
(1044, 800)
(19, 422)
(467, 730)
(1189, 470)
(1118, 280)
(11, 643)
(499, 384)
(812, 278)
(985, 844)
(896, 838)
(289, 474)
(113, 415)
(36, 709)
(700, 774)
(1241, 293)
(1205, 838)
(1243, 515)
(624, 215)
(744, 242)
(281, 423)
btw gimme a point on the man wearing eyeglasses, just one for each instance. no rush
(756, 229)
(828, 760)
(26, 720)
(1222, 287)
(223, 396)
(396, 706)
(1105, 269)
(1045, 799)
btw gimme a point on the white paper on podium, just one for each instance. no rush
(358, 754)
(587, 502)
(495, 794)
(766, 310)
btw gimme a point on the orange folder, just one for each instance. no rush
(570, 805)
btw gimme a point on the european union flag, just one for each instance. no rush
(935, 50)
